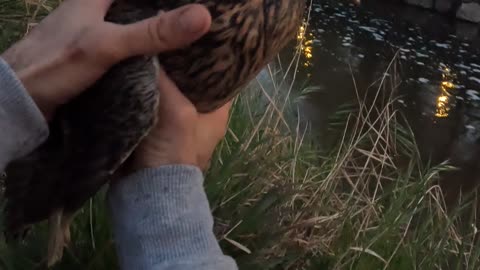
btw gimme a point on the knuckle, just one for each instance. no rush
(157, 32)
(88, 44)
(75, 53)
(76, 50)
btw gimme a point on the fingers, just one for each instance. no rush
(167, 31)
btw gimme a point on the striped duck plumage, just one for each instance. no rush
(92, 136)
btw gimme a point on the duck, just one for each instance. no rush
(94, 135)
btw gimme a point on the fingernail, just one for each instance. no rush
(192, 20)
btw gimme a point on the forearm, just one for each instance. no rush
(162, 220)
(22, 125)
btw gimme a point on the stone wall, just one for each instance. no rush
(468, 10)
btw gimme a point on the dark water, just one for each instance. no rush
(438, 69)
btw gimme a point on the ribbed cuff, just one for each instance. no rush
(162, 218)
(22, 125)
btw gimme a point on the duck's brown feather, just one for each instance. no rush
(93, 135)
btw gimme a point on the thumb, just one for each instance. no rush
(166, 31)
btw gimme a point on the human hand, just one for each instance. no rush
(73, 47)
(181, 135)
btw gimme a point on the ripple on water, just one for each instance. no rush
(442, 45)
(472, 94)
(423, 80)
(368, 29)
(378, 37)
(462, 66)
(475, 79)
(421, 55)
(360, 36)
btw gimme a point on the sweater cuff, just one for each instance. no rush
(162, 218)
(22, 125)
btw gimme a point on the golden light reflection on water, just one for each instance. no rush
(305, 43)
(444, 99)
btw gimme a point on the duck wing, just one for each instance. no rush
(90, 139)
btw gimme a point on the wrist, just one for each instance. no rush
(31, 85)
(150, 161)
(28, 76)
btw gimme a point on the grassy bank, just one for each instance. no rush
(283, 200)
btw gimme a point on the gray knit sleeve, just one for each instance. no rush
(162, 220)
(22, 125)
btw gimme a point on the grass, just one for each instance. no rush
(281, 200)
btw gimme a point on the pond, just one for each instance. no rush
(437, 62)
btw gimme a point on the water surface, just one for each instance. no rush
(437, 65)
